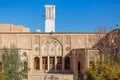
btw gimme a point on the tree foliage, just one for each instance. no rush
(104, 71)
(2, 76)
(108, 68)
(12, 63)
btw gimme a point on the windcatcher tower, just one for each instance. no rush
(49, 18)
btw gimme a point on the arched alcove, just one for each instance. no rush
(24, 54)
(37, 63)
(52, 47)
(67, 63)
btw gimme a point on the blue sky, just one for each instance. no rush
(72, 15)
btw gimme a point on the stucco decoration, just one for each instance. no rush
(59, 50)
(44, 49)
(36, 47)
(67, 47)
(58, 38)
(51, 47)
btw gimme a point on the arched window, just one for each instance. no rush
(24, 54)
(36, 63)
(67, 63)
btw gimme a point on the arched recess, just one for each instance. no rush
(23, 61)
(44, 49)
(67, 63)
(24, 57)
(25, 54)
(37, 63)
(59, 49)
(52, 47)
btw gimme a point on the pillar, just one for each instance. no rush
(48, 63)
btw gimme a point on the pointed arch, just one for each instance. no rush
(52, 46)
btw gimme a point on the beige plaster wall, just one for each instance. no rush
(29, 41)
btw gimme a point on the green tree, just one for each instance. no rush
(2, 76)
(11, 64)
(105, 70)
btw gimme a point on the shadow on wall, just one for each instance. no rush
(110, 43)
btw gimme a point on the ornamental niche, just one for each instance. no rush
(51, 47)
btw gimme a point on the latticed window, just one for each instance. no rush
(59, 63)
(36, 63)
(44, 63)
(52, 63)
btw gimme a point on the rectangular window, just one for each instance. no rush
(44, 63)
(52, 63)
(59, 63)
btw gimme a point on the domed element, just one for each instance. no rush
(37, 30)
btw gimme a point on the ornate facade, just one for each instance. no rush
(60, 56)
(51, 55)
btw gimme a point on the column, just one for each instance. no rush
(41, 62)
(48, 63)
(63, 63)
(55, 63)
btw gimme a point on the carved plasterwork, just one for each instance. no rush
(52, 49)
(44, 48)
(44, 39)
(51, 46)
(59, 49)
(59, 38)
(67, 47)
(36, 47)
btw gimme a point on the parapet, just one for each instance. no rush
(13, 28)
